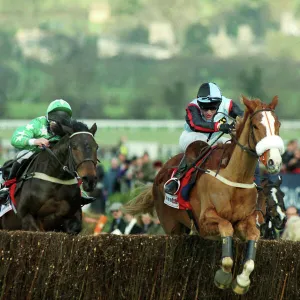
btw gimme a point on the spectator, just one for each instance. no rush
(156, 228)
(111, 185)
(122, 178)
(292, 227)
(98, 206)
(291, 211)
(291, 147)
(122, 147)
(147, 223)
(118, 224)
(147, 172)
(293, 165)
(132, 226)
(133, 171)
(157, 165)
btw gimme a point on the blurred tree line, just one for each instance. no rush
(132, 87)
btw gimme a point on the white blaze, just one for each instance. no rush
(269, 122)
(278, 208)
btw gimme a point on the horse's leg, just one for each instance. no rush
(168, 220)
(54, 219)
(211, 224)
(29, 223)
(248, 230)
(10, 221)
(74, 224)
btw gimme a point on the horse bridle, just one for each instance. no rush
(66, 168)
(86, 159)
(248, 149)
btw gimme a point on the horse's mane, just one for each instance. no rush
(240, 122)
(69, 127)
(77, 126)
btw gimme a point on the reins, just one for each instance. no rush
(64, 167)
(243, 147)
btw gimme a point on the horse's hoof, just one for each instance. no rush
(223, 279)
(238, 289)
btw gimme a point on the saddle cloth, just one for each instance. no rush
(5, 208)
(181, 199)
(11, 202)
(11, 184)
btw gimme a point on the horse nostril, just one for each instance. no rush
(89, 179)
(270, 162)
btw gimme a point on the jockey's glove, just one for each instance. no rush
(226, 128)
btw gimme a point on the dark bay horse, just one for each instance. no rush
(271, 199)
(225, 206)
(48, 196)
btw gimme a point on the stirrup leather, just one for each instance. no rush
(173, 179)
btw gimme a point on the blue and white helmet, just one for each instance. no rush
(209, 95)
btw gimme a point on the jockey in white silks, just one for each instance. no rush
(206, 116)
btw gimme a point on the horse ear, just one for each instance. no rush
(93, 129)
(59, 129)
(248, 103)
(67, 129)
(274, 102)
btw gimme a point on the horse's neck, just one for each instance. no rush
(51, 164)
(61, 149)
(241, 166)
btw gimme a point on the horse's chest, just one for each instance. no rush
(243, 203)
(234, 204)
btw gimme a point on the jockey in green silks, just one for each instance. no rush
(31, 138)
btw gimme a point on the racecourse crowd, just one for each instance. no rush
(291, 164)
(122, 176)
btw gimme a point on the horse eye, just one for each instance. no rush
(255, 127)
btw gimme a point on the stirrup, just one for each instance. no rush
(4, 191)
(173, 179)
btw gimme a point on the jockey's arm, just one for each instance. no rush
(235, 110)
(196, 122)
(25, 137)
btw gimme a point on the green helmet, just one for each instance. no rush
(59, 105)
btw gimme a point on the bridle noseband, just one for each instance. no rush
(248, 149)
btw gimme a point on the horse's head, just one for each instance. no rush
(264, 133)
(83, 149)
(275, 204)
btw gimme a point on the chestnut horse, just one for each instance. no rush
(225, 206)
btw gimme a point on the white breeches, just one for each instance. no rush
(187, 138)
(24, 154)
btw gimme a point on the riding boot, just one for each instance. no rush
(5, 191)
(172, 185)
(85, 199)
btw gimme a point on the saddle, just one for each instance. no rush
(16, 183)
(198, 157)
